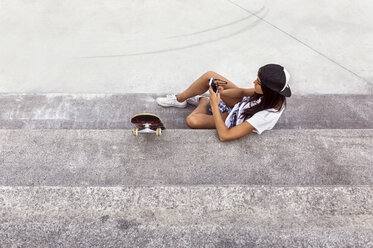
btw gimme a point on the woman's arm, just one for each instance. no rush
(233, 93)
(237, 92)
(219, 122)
(224, 133)
(237, 131)
(248, 92)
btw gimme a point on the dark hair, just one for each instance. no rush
(269, 99)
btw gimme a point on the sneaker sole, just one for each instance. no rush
(167, 105)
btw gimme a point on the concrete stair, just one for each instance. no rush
(193, 216)
(185, 157)
(102, 111)
(73, 175)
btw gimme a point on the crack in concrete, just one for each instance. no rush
(303, 43)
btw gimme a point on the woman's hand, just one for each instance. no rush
(214, 97)
(220, 89)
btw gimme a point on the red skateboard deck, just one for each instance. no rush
(147, 123)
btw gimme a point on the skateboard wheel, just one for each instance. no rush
(159, 131)
(135, 131)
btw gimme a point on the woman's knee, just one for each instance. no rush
(210, 74)
(192, 121)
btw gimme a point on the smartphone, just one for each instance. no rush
(213, 85)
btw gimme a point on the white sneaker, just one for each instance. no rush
(170, 101)
(194, 100)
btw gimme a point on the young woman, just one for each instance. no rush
(235, 111)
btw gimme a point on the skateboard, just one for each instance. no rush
(147, 123)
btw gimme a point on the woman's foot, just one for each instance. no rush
(170, 101)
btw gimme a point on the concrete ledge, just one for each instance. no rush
(100, 111)
(226, 216)
(185, 157)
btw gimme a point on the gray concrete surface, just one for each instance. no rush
(91, 64)
(228, 216)
(105, 111)
(185, 157)
(162, 46)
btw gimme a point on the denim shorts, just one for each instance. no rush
(222, 107)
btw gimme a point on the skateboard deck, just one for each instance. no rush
(147, 123)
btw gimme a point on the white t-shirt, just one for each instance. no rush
(261, 121)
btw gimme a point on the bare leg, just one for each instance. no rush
(199, 117)
(201, 85)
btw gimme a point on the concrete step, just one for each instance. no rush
(208, 216)
(185, 157)
(104, 111)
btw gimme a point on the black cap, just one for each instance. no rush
(276, 78)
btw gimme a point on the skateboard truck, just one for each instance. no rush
(147, 129)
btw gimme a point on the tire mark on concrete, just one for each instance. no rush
(218, 27)
(178, 48)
